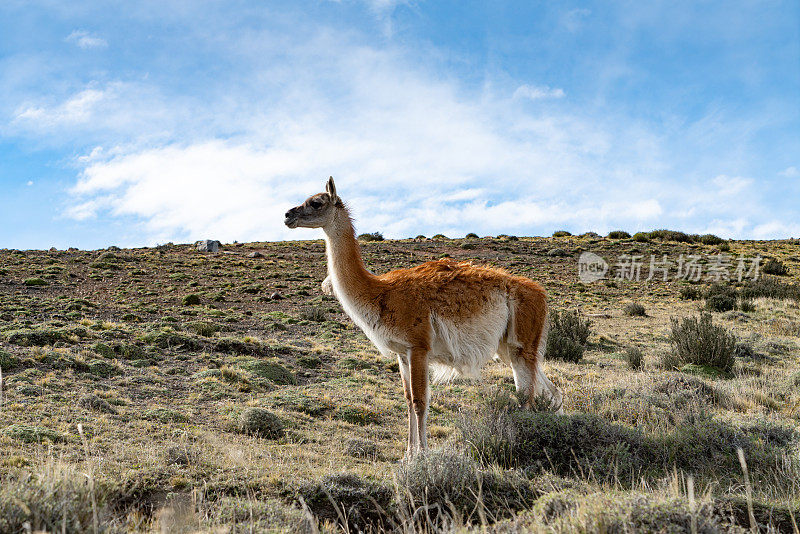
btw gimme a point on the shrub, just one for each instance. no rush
(103, 368)
(561, 233)
(472, 235)
(571, 324)
(769, 287)
(348, 496)
(439, 236)
(361, 448)
(711, 239)
(314, 314)
(358, 415)
(453, 480)
(35, 338)
(720, 303)
(720, 297)
(634, 309)
(32, 434)
(672, 235)
(690, 293)
(31, 282)
(641, 237)
(166, 415)
(261, 423)
(191, 300)
(7, 361)
(776, 267)
(634, 358)
(103, 350)
(560, 347)
(567, 336)
(203, 328)
(698, 341)
(618, 234)
(93, 402)
(374, 236)
(273, 371)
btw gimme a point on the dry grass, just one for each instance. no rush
(161, 397)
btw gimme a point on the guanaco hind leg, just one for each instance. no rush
(405, 374)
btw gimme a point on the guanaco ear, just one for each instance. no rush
(330, 187)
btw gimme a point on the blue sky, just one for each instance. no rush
(136, 123)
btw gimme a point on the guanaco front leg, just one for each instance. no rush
(405, 374)
(418, 362)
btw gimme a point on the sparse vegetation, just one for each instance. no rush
(567, 336)
(773, 266)
(634, 309)
(261, 423)
(163, 390)
(698, 341)
(618, 234)
(634, 358)
(374, 236)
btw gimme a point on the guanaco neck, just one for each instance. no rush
(345, 266)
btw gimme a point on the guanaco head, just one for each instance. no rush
(317, 211)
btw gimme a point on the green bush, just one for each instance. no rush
(374, 236)
(261, 423)
(351, 497)
(634, 358)
(203, 328)
(472, 235)
(698, 341)
(641, 237)
(561, 233)
(561, 347)
(103, 368)
(618, 234)
(31, 282)
(634, 309)
(32, 434)
(93, 402)
(711, 239)
(7, 361)
(453, 480)
(720, 303)
(770, 287)
(672, 235)
(776, 267)
(567, 336)
(273, 371)
(314, 314)
(191, 300)
(166, 415)
(690, 293)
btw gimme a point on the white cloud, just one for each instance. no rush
(790, 172)
(731, 185)
(538, 92)
(410, 151)
(76, 109)
(30, 183)
(84, 39)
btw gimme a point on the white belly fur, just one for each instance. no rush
(456, 349)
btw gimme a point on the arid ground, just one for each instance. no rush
(168, 389)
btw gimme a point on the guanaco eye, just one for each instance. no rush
(316, 204)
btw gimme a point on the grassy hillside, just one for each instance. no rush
(164, 388)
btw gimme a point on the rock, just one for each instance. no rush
(208, 245)
(276, 296)
(255, 254)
